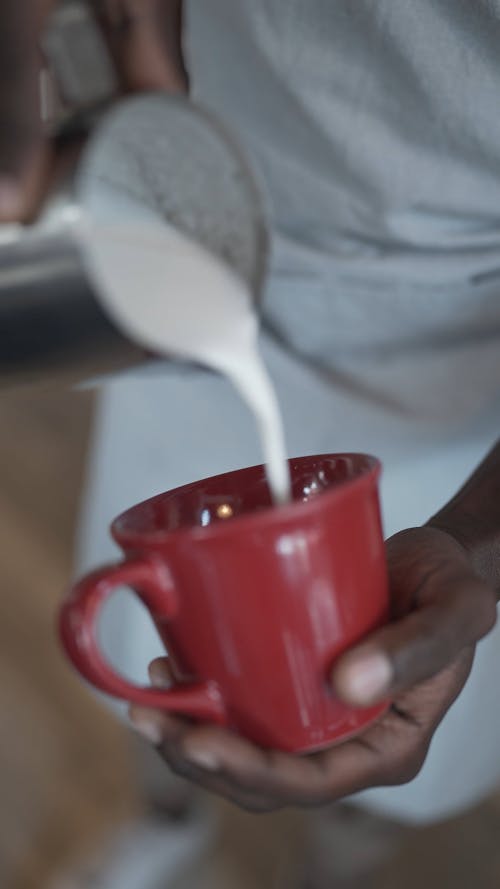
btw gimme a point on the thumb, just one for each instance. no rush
(460, 610)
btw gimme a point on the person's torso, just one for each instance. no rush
(375, 125)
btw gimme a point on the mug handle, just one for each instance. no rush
(78, 619)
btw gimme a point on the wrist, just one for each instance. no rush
(477, 535)
(472, 518)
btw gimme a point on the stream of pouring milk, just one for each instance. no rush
(174, 298)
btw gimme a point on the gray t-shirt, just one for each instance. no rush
(375, 124)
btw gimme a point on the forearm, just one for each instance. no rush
(473, 518)
(174, 27)
(145, 38)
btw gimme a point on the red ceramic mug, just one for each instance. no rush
(253, 603)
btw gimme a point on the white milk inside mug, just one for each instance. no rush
(173, 297)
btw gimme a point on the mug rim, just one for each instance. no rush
(370, 470)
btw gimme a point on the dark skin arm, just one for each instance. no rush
(473, 518)
(145, 39)
(445, 580)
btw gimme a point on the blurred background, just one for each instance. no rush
(64, 773)
(69, 771)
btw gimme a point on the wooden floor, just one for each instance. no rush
(65, 765)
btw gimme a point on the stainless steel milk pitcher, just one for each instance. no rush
(170, 157)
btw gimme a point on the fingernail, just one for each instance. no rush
(160, 676)
(368, 679)
(10, 199)
(203, 759)
(147, 726)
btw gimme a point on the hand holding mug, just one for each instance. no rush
(421, 661)
(254, 603)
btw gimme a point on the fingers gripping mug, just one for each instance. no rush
(253, 602)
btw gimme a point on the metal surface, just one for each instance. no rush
(172, 160)
(51, 324)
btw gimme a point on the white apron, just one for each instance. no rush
(374, 129)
